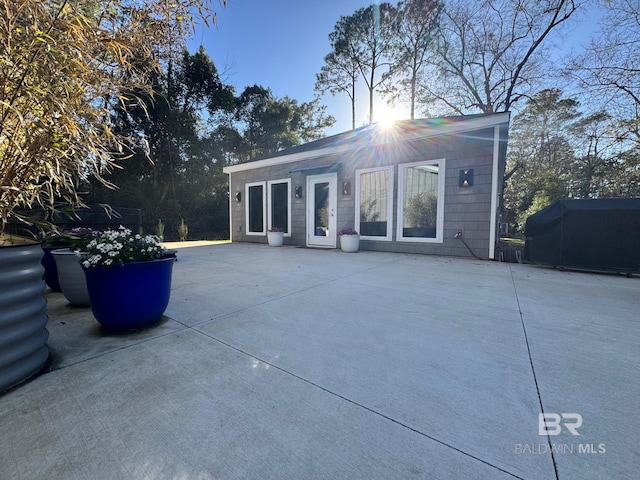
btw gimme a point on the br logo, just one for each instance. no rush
(552, 423)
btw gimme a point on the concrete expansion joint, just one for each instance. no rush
(533, 370)
(118, 349)
(360, 405)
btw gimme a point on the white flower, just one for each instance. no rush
(120, 246)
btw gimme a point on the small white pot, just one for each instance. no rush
(275, 239)
(349, 243)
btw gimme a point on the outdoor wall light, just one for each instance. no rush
(238, 196)
(346, 188)
(466, 178)
(298, 192)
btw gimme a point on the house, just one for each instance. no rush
(430, 186)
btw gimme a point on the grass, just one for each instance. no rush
(514, 242)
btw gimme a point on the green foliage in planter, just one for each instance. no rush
(74, 239)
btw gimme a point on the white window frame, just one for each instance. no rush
(389, 236)
(441, 164)
(264, 207)
(269, 208)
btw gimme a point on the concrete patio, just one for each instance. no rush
(295, 363)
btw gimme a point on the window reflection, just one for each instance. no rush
(374, 197)
(420, 201)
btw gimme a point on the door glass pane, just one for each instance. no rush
(321, 209)
(420, 202)
(280, 205)
(256, 222)
(373, 203)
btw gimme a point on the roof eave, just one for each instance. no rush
(427, 131)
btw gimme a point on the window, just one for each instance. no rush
(374, 203)
(421, 201)
(255, 209)
(280, 204)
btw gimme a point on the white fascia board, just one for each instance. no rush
(428, 131)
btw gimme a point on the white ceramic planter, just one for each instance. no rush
(349, 243)
(275, 239)
(71, 276)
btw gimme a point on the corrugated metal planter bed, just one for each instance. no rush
(23, 320)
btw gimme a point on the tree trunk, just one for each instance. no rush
(353, 105)
(413, 96)
(371, 89)
(370, 106)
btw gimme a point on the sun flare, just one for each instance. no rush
(386, 116)
(386, 122)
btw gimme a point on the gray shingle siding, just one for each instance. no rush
(465, 209)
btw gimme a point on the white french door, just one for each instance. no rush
(321, 210)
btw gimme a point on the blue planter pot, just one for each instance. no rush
(134, 295)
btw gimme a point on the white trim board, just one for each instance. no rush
(494, 193)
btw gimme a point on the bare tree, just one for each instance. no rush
(339, 74)
(415, 26)
(373, 33)
(596, 150)
(609, 69)
(489, 51)
(361, 40)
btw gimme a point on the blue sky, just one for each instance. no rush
(280, 44)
